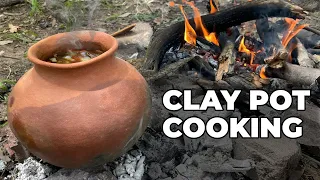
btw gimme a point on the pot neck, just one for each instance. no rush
(93, 76)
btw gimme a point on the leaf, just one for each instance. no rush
(5, 42)
(13, 29)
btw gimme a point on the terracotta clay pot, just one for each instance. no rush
(81, 114)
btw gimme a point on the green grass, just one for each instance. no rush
(35, 7)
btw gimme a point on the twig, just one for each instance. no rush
(10, 71)
(9, 57)
(124, 30)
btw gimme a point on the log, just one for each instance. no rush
(6, 3)
(165, 38)
(303, 56)
(293, 73)
(203, 67)
(226, 60)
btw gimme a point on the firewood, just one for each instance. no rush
(226, 60)
(303, 56)
(314, 51)
(164, 39)
(293, 73)
(203, 67)
(6, 3)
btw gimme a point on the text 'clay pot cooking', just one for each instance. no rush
(80, 114)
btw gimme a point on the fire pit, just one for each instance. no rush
(267, 48)
(83, 113)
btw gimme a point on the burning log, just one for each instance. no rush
(220, 21)
(293, 73)
(303, 56)
(276, 53)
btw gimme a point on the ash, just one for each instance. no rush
(130, 166)
(31, 169)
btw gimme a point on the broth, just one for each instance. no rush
(74, 56)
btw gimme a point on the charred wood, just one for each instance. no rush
(203, 67)
(208, 46)
(220, 21)
(6, 3)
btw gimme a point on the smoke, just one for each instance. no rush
(80, 15)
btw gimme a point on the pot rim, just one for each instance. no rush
(111, 47)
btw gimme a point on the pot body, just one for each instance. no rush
(83, 115)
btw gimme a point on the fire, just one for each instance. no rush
(263, 73)
(190, 34)
(291, 32)
(171, 4)
(244, 49)
(213, 9)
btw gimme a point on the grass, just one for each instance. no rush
(35, 7)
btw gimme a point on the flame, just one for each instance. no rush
(172, 4)
(262, 73)
(213, 9)
(200, 26)
(293, 46)
(244, 49)
(291, 32)
(190, 34)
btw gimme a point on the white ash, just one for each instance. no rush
(130, 167)
(2, 165)
(31, 169)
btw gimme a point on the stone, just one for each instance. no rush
(154, 170)
(141, 35)
(310, 123)
(68, 174)
(274, 158)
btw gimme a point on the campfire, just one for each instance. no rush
(267, 46)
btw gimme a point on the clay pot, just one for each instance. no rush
(81, 114)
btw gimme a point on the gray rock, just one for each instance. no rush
(274, 158)
(310, 124)
(140, 35)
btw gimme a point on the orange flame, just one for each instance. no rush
(213, 9)
(190, 34)
(172, 4)
(200, 26)
(291, 32)
(244, 49)
(262, 73)
(293, 46)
